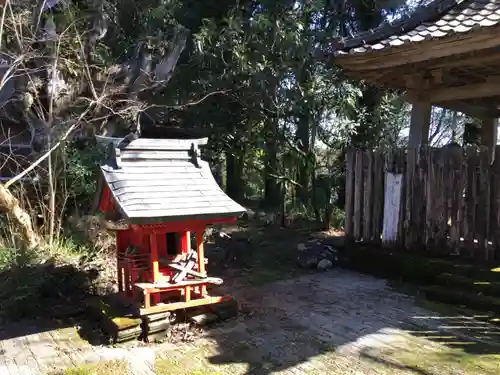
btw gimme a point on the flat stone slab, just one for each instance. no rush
(337, 322)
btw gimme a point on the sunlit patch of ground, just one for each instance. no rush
(115, 367)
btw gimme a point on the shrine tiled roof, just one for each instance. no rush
(162, 180)
(439, 19)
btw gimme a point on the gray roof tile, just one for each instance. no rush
(158, 180)
(438, 19)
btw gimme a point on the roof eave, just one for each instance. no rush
(428, 13)
(208, 218)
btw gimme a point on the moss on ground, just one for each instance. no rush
(170, 367)
(447, 361)
(98, 368)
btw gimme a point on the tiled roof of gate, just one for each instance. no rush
(162, 180)
(438, 19)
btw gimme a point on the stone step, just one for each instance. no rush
(411, 267)
(463, 298)
(474, 285)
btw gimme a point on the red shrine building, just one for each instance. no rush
(159, 196)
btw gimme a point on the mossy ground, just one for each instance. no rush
(271, 256)
(115, 367)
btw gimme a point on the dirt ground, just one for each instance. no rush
(338, 322)
(292, 322)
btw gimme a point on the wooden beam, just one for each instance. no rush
(474, 91)
(434, 67)
(412, 53)
(473, 59)
(473, 110)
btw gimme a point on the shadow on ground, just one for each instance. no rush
(320, 321)
(307, 321)
(46, 297)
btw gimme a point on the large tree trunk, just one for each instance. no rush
(218, 164)
(369, 129)
(234, 175)
(10, 205)
(304, 170)
(272, 190)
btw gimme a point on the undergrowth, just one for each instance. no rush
(73, 259)
(52, 280)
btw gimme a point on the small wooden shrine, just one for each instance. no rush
(159, 196)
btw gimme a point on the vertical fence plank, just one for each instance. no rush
(456, 187)
(441, 202)
(462, 209)
(409, 198)
(495, 207)
(358, 195)
(400, 167)
(368, 196)
(483, 204)
(378, 195)
(349, 194)
(393, 201)
(430, 194)
(422, 194)
(471, 197)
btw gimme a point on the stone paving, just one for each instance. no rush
(336, 322)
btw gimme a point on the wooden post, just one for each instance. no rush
(119, 271)
(188, 242)
(419, 125)
(489, 135)
(153, 248)
(200, 250)
(184, 243)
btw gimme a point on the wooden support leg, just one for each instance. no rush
(147, 299)
(119, 271)
(187, 294)
(120, 278)
(155, 266)
(126, 272)
(200, 250)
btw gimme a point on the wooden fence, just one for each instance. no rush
(449, 201)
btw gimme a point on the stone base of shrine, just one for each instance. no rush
(122, 319)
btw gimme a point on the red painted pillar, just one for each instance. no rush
(185, 242)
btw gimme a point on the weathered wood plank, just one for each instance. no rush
(472, 159)
(495, 208)
(441, 220)
(378, 195)
(349, 194)
(430, 195)
(410, 198)
(456, 183)
(483, 204)
(368, 196)
(421, 205)
(400, 167)
(358, 195)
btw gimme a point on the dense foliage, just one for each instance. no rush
(251, 73)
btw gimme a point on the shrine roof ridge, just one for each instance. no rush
(440, 18)
(133, 142)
